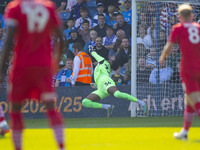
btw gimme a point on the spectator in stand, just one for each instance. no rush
(151, 58)
(127, 74)
(165, 74)
(141, 50)
(84, 16)
(127, 13)
(111, 10)
(75, 13)
(151, 12)
(82, 67)
(124, 54)
(123, 25)
(60, 5)
(117, 77)
(70, 24)
(143, 72)
(91, 42)
(143, 21)
(101, 27)
(176, 74)
(152, 29)
(174, 58)
(92, 7)
(100, 9)
(110, 39)
(120, 35)
(113, 21)
(1, 38)
(75, 38)
(70, 4)
(121, 5)
(163, 38)
(170, 10)
(100, 49)
(144, 38)
(63, 76)
(85, 32)
(107, 3)
(172, 20)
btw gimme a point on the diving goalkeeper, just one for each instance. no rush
(106, 86)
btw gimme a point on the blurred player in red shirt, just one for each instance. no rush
(30, 24)
(187, 35)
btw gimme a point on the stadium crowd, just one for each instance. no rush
(106, 25)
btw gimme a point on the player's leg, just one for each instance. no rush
(91, 101)
(116, 93)
(188, 118)
(3, 124)
(17, 124)
(55, 119)
(195, 100)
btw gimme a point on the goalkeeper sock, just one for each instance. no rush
(126, 96)
(90, 104)
(188, 117)
(197, 108)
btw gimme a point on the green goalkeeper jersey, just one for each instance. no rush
(102, 68)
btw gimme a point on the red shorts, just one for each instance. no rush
(30, 82)
(191, 82)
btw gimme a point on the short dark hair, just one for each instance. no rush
(86, 21)
(78, 46)
(115, 65)
(69, 59)
(101, 15)
(120, 15)
(83, 9)
(126, 38)
(70, 18)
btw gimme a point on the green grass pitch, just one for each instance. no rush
(148, 133)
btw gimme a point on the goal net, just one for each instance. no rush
(158, 85)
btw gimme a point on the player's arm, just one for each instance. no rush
(58, 46)
(95, 55)
(57, 83)
(166, 51)
(6, 49)
(76, 68)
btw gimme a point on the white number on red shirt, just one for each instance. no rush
(37, 17)
(193, 34)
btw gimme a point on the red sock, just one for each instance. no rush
(57, 126)
(197, 108)
(2, 119)
(188, 117)
(17, 126)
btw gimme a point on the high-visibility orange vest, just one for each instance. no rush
(84, 74)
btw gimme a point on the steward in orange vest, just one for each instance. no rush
(82, 74)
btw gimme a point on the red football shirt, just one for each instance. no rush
(187, 35)
(35, 21)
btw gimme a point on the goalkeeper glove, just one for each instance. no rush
(93, 85)
(91, 49)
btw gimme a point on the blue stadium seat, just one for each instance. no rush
(92, 7)
(1, 21)
(64, 16)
